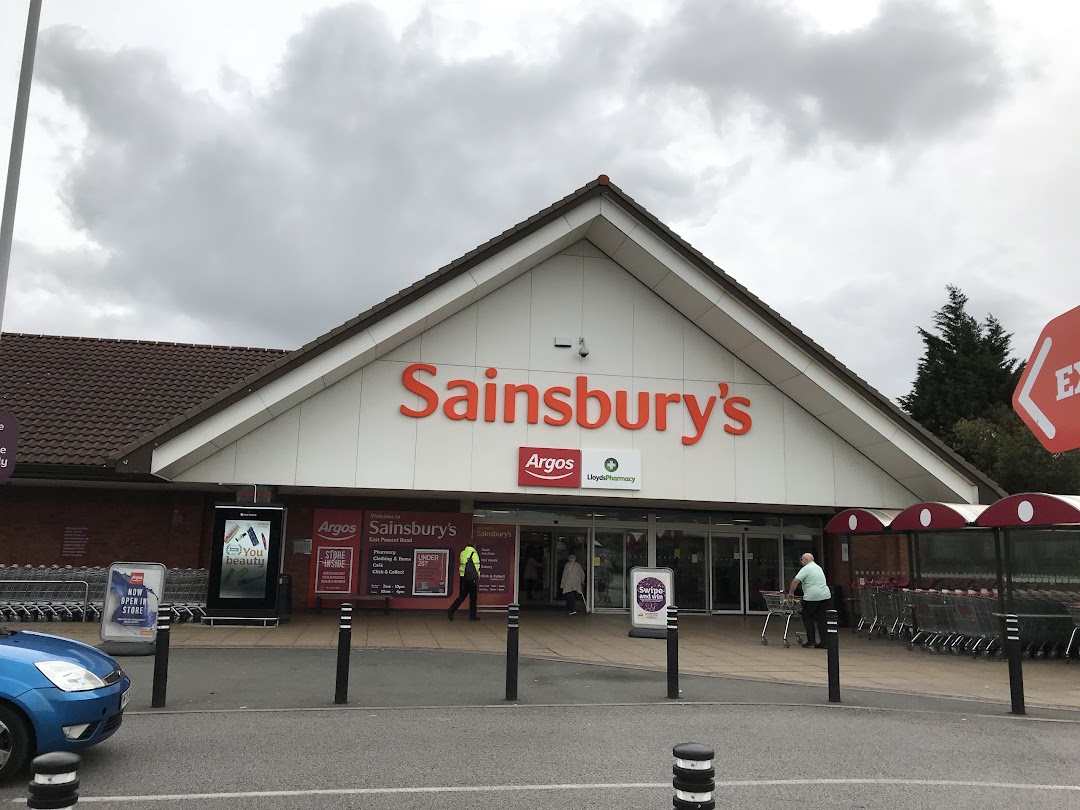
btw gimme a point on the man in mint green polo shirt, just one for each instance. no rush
(816, 598)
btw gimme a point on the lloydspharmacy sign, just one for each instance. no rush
(561, 405)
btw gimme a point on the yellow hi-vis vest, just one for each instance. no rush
(465, 554)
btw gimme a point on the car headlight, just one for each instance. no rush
(69, 677)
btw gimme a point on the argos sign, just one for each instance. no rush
(589, 407)
(549, 467)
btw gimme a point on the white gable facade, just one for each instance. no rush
(593, 331)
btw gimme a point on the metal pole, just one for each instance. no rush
(673, 652)
(512, 623)
(344, 647)
(694, 778)
(832, 642)
(1016, 670)
(56, 781)
(18, 135)
(161, 657)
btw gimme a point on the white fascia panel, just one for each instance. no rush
(897, 496)
(853, 429)
(583, 215)
(346, 358)
(219, 431)
(511, 262)
(179, 468)
(725, 330)
(810, 394)
(605, 236)
(397, 328)
(930, 488)
(692, 300)
(618, 216)
(218, 468)
(449, 299)
(770, 363)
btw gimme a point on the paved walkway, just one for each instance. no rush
(708, 645)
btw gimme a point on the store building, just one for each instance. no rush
(584, 383)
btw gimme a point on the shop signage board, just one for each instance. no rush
(245, 561)
(611, 469)
(9, 444)
(652, 591)
(130, 611)
(1047, 398)
(579, 469)
(393, 545)
(496, 544)
(335, 553)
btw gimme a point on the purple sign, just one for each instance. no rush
(9, 441)
(651, 594)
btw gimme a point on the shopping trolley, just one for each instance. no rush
(778, 604)
(1074, 613)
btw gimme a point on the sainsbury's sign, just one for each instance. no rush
(589, 407)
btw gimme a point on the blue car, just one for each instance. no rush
(55, 695)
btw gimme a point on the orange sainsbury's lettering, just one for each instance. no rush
(463, 400)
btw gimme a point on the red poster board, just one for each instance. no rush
(391, 542)
(335, 553)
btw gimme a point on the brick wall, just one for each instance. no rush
(108, 524)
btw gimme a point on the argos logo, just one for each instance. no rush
(337, 531)
(549, 467)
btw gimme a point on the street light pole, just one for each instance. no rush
(18, 134)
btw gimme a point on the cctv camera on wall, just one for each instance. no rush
(583, 350)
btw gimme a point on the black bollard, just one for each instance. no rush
(673, 652)
(1016, 670)
(512, 622)
(344, 649)
(56, 781)
(832, 642)
(694, 777)
(161, 657)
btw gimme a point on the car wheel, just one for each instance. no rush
(14, 742)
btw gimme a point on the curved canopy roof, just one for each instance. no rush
(861, 521)
(933, 515)
(1032, 509)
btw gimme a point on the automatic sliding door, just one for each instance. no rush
(684, 553)
(615, 552)
(727, 574)
(762, 564)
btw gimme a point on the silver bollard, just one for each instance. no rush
(694, 779)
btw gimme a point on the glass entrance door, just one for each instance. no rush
(544, 552)
(761, 563)
(727, 574)
(615, 553)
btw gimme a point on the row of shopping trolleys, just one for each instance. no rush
(77, 593)
(965, 622)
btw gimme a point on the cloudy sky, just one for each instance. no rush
(256, 173)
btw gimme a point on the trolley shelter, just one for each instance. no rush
(942, 574)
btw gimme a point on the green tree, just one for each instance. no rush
(1003, 447)
(963, 394)
(966, 370)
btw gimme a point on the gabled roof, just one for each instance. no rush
(81, 399)
(638, 241)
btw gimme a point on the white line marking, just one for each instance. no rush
(742, 783)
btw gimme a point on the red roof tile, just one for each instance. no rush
(80, 399)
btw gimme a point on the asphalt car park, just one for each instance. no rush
(258, 728)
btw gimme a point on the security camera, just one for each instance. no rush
(583, 350)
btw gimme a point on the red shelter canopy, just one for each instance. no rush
(861, 521)
(1032, 509)
(932, 516)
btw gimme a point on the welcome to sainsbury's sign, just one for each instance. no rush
(463, 400)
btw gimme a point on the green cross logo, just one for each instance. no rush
(611, 465)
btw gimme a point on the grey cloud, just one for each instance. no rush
(914, 71)
(370, 161)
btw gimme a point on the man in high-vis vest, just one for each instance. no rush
(469, 579)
